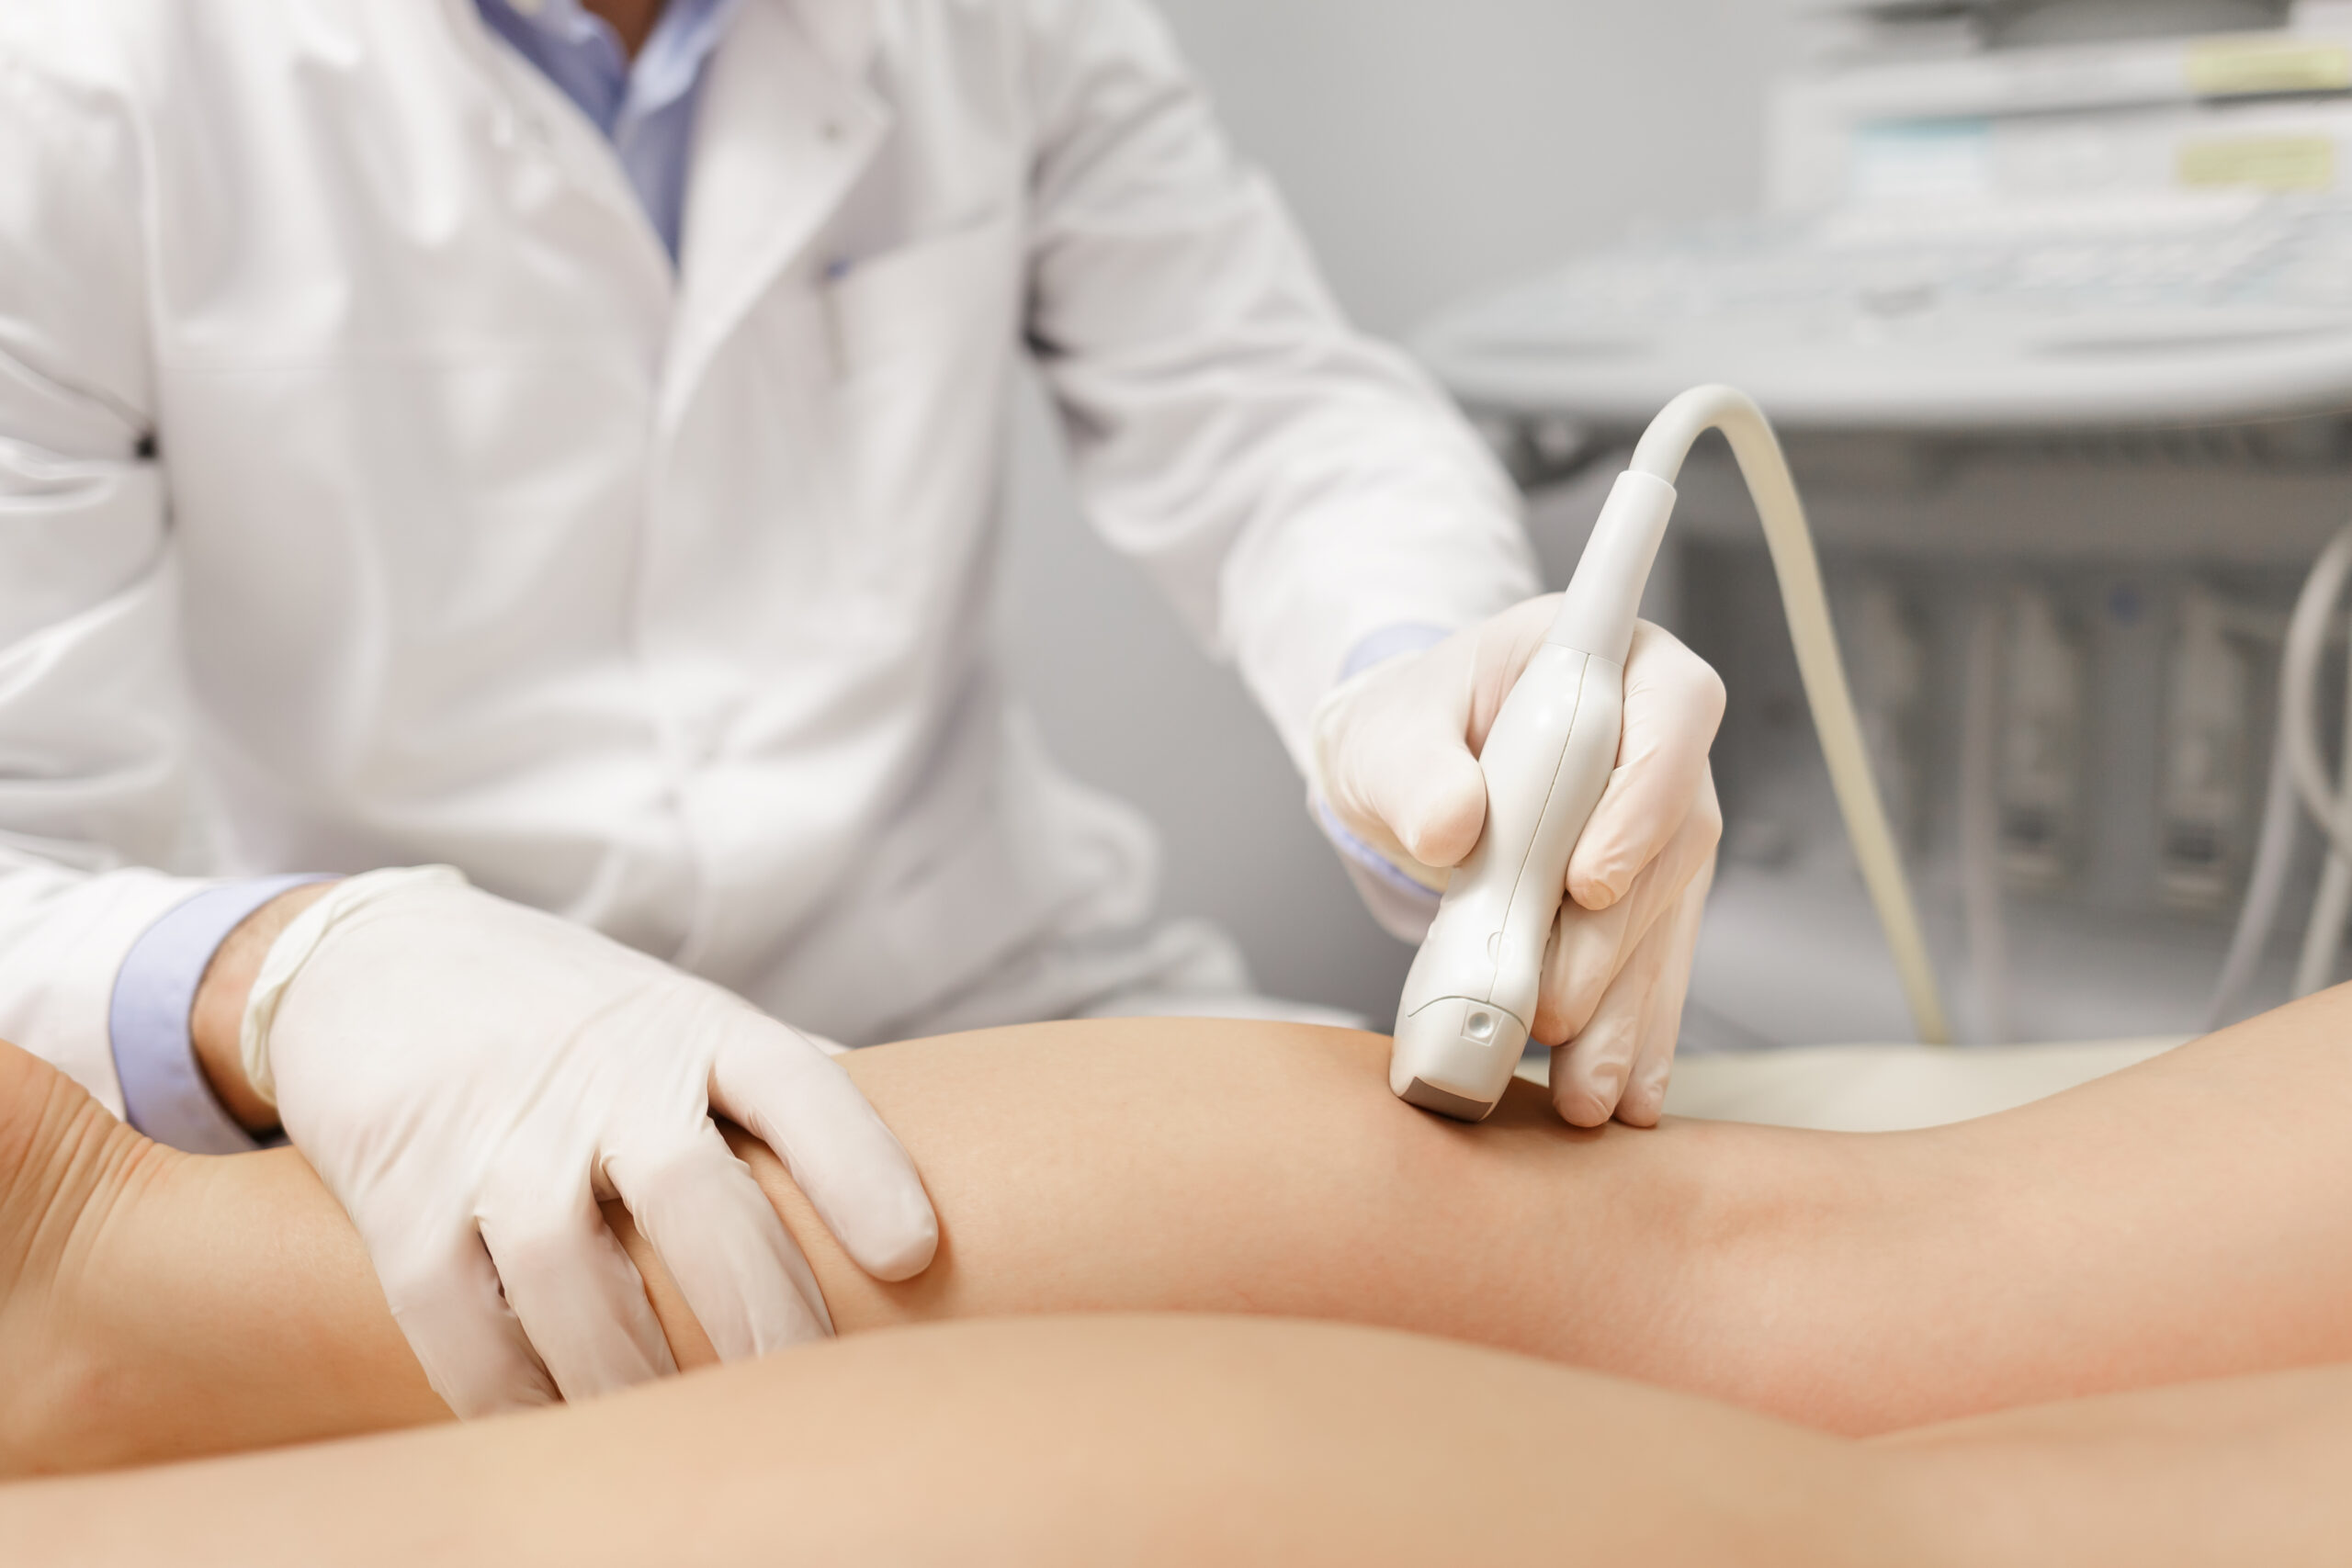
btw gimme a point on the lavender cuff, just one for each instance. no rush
(164, 1094)
(1381, 868)
(1400, 905)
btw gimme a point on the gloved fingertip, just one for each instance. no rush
(815, 1331)
(1602, 868)
(905, 1257)
(1589, 1099)
(1594, 894)
(1443, 832)
(890, 1230)
(1643, 1105)
(1563, 1011)
(1579, 1108)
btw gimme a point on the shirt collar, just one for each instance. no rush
(580, 52)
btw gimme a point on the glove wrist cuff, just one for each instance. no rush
(294, 947)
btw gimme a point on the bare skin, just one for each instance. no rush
(633, 21)
(139, 1281)
(2191, 1218)
(1181, 1441)
(218, 1011)
(1045, 1441)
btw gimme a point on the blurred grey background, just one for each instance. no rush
(1429, 150)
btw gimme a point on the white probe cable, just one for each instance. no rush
(2274, 859)
(1774, 490)
(2329, 804)
(2291, 785)
(1464, 1019)
(2324, 937)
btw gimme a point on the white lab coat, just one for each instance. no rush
(373, 491)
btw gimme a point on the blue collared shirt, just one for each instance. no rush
(645, 106)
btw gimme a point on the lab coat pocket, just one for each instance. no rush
(923, 339)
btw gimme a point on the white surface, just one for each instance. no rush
(1887, 1089)
(1884, 1088)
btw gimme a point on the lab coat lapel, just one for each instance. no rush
(844, 30)
(788, 126)
(536, 113)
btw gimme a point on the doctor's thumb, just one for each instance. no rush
(1437, 806)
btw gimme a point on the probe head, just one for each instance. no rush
(1456, 1056)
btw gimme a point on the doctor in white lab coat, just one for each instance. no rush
(494, 578)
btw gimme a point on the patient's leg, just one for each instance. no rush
(1232, 1440)
(154, 1306)
(1048, 1441)
(2190, 1218)
(1147, 1166)
(2193, 1217)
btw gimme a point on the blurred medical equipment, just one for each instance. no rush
(1469, 1002)
(2299, 782)
(1921, 272)
(2212, 308)
(2052, 306)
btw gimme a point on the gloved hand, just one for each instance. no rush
(1395, 765)
(471, 1076)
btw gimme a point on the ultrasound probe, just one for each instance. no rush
(1469, 1002)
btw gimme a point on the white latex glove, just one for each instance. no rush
(469, 1076)
(1395, 765)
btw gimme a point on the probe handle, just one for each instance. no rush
(1469, 1002)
